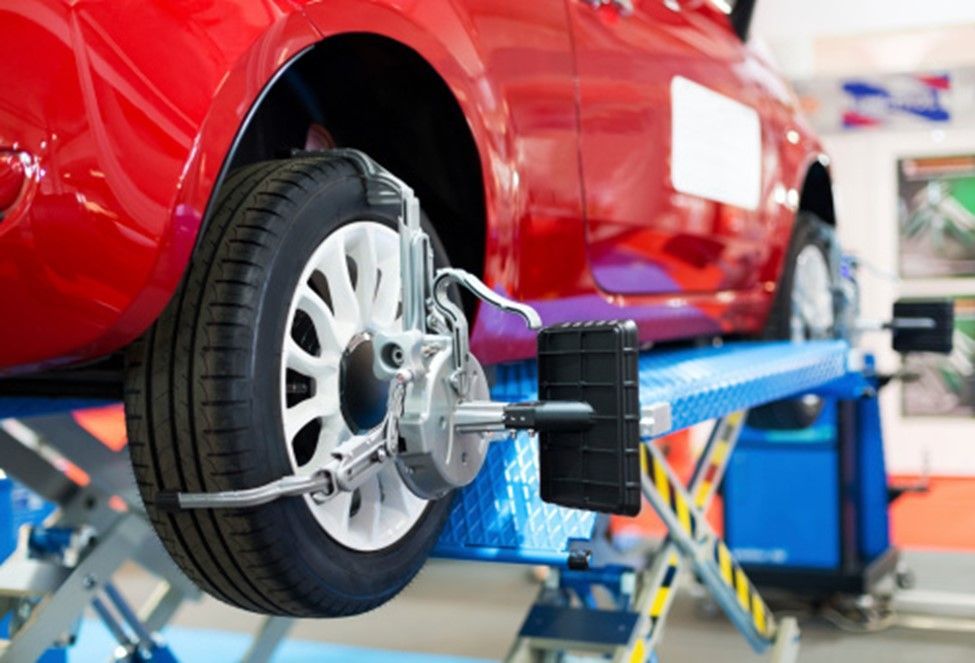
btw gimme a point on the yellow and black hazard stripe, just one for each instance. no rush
(659, 601)
(733, 576)
(657, 605)
(719, 455)
(656, 611)
(671, 493)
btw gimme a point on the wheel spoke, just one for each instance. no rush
(363, 252)
(298, 359)
(334, 432)
(339, 509)
(388, 295)
(335, 267)
(369, 517)
(396, 495)
(332, 335)
(299, 415)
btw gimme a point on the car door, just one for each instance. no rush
(670, 143)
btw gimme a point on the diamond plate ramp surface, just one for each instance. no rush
(501, 516)
(706, 383)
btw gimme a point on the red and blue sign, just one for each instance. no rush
(876, 103)
(932, 99)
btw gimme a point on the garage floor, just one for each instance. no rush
(463, 611)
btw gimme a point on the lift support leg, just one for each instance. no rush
(632, 633)
(691, 539)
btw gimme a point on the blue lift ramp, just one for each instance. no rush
(501, 517)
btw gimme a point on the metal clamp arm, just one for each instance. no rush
(458, 323)
(289, 486)
(484, 293)
(351, 463)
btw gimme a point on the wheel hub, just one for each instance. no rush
(362, 396)
(813, 316)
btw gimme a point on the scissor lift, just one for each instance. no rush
(501, 517)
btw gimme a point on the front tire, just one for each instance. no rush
(258, 367)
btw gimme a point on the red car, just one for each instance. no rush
(164, 197)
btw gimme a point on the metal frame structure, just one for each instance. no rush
(633, 632)
(49, 588)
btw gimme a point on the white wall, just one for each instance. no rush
(791, 19)
(791, 27)
(865, 176)
(841, 37)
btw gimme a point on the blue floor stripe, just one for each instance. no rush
(209, 646)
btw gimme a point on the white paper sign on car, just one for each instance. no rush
(716, 145)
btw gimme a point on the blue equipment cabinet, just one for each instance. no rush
(782, 497)
(807, 510)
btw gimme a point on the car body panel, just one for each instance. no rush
(126, 113)
(128, 109)
(644, 235)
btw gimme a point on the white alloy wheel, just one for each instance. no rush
(812, 302)
(812, 296)
(348, 290)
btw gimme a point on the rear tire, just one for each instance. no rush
(804, 309)
(207, 397)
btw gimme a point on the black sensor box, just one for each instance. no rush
(939, 314)
(596, 469)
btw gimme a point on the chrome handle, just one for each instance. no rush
(458, 323)
(477, 287)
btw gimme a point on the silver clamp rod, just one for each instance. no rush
(479, 417)
(288, 486)
(482, 292)
(538, 416)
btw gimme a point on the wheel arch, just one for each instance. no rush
(241, 60)
(267, 67)
(373, 93)
(816, 195)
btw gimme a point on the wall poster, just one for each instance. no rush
(944, 385)
(936, 210)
